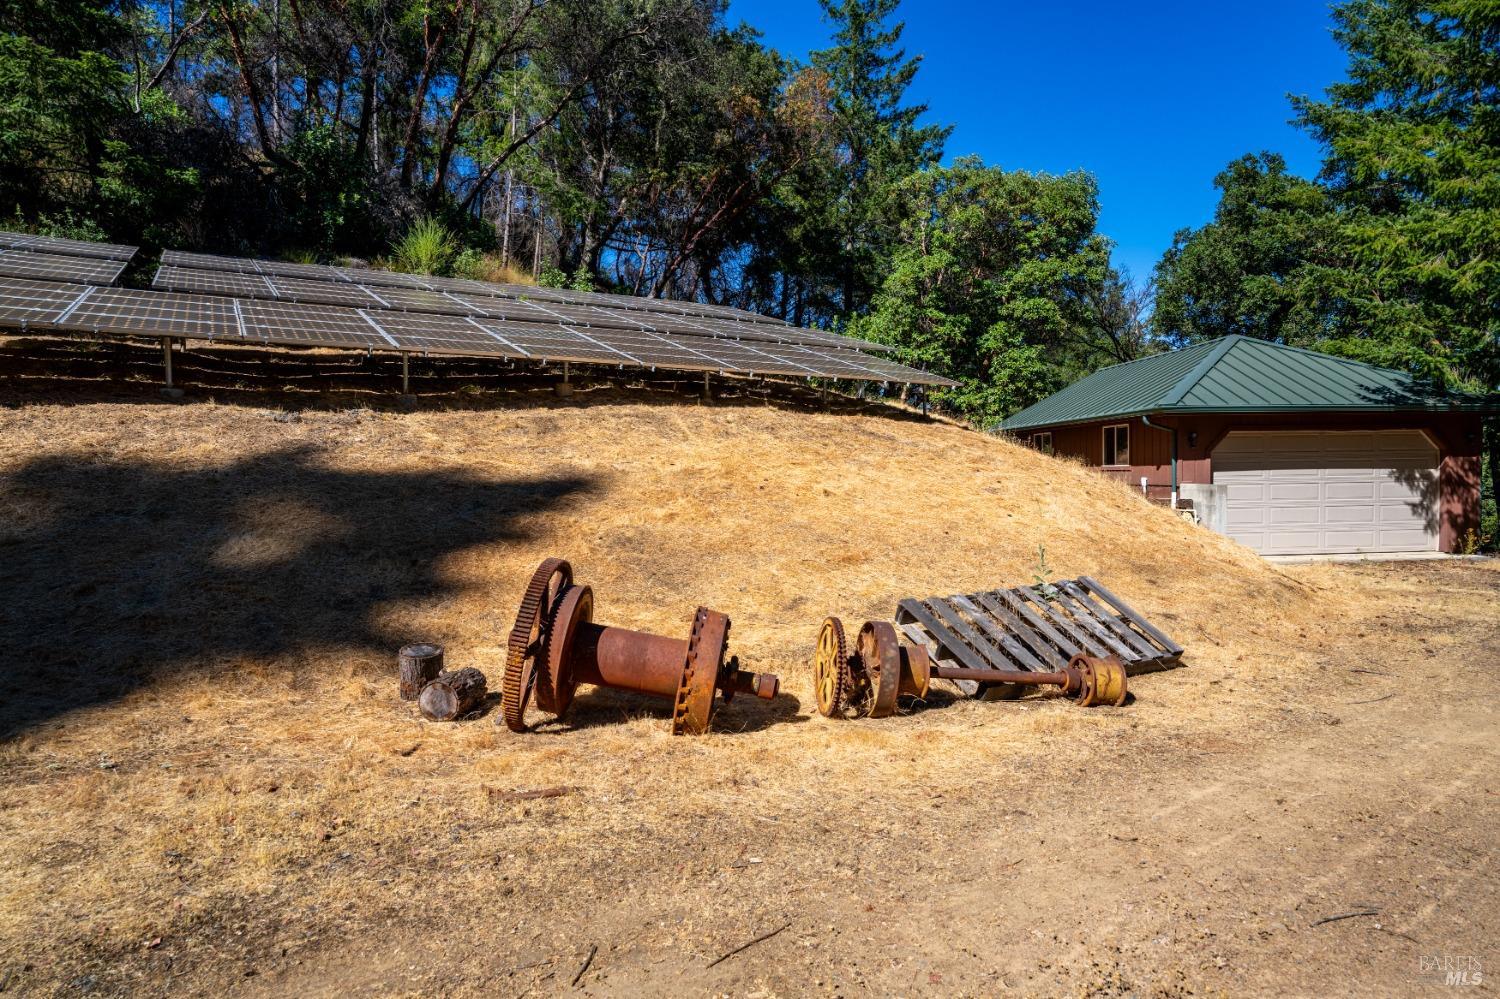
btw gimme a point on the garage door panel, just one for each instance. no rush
(1294, 492)
(1402, 487)
(1339, 540)
(1247, 492)
(1305, 492)
(1361, 513)
(1359, 489)
(1299, 515)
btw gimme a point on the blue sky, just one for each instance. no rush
(1153, 98)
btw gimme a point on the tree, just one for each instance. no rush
(881, 142)
(1262, 266)
(989, 280)
(1393, 255)
(1118, 326)
(1413, 164)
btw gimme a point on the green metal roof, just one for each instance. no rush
(1236, 374)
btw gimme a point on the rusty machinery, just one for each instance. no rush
(867, 680)
(555, 645)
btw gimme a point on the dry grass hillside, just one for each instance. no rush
(210, 784)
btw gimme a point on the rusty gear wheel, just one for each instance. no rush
(700, 673)
(880, 652)
(831, 674)
(523, 647)
(554, 684)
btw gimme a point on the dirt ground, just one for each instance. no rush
(211, 788)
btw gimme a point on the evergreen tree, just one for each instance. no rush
(882, 142)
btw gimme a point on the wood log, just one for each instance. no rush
(453, 694)
(419, 664)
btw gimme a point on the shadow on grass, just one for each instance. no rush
(118, 572)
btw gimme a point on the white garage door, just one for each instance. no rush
(1317, 492)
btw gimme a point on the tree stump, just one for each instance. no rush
(420, 665)
(453, 694)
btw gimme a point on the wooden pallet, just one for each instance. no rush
(1022, 629)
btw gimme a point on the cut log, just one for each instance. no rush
(453, 694)
(420, 664)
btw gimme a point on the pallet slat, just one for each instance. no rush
(1130, 613)
(1065, 649)
(1118, 627)
(1021, 656)
(1029, 648)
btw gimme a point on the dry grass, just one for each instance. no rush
(206, 743)
(494, 267)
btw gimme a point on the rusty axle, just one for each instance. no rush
(555, 645)
(869, 679)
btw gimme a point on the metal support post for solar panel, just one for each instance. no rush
(565, 387)
(708, 392)
(170, 390)
(405, 373)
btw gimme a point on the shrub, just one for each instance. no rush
(427, 248)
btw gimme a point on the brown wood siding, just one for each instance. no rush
(1456, 435)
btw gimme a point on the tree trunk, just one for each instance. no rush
(420, 665)
(453, 694)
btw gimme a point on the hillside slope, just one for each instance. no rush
(205, 746)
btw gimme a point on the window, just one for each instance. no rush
(1042, 442)
(1117, 444)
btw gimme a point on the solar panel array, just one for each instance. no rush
(578, 316)
(31, 304)
(59, 267)
(183, 271)
(66, 247)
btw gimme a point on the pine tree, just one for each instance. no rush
(882, 141)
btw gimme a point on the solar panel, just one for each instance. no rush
(425, 333)
(25, 303)
(308, 325)
(555, 343)
(173, 278)
(209, 262)
(58, 267)
(151, 313)
(67, 247)
(290, 289)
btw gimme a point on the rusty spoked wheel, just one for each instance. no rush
(707, 644)
(523, 649)
(880, 655)
(831, 674)
(1103, 680)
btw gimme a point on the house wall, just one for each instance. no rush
(1457, 436)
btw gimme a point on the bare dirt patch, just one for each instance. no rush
(210, 786)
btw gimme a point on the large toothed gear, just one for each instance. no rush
(523, 650)
(831, 674)
(707, 644)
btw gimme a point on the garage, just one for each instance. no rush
(1330, 492)
(1287, 451)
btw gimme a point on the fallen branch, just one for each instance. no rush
(1372, 700)
(586, 962)
(1346, 915)
(1372, 672)
(747, 946)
